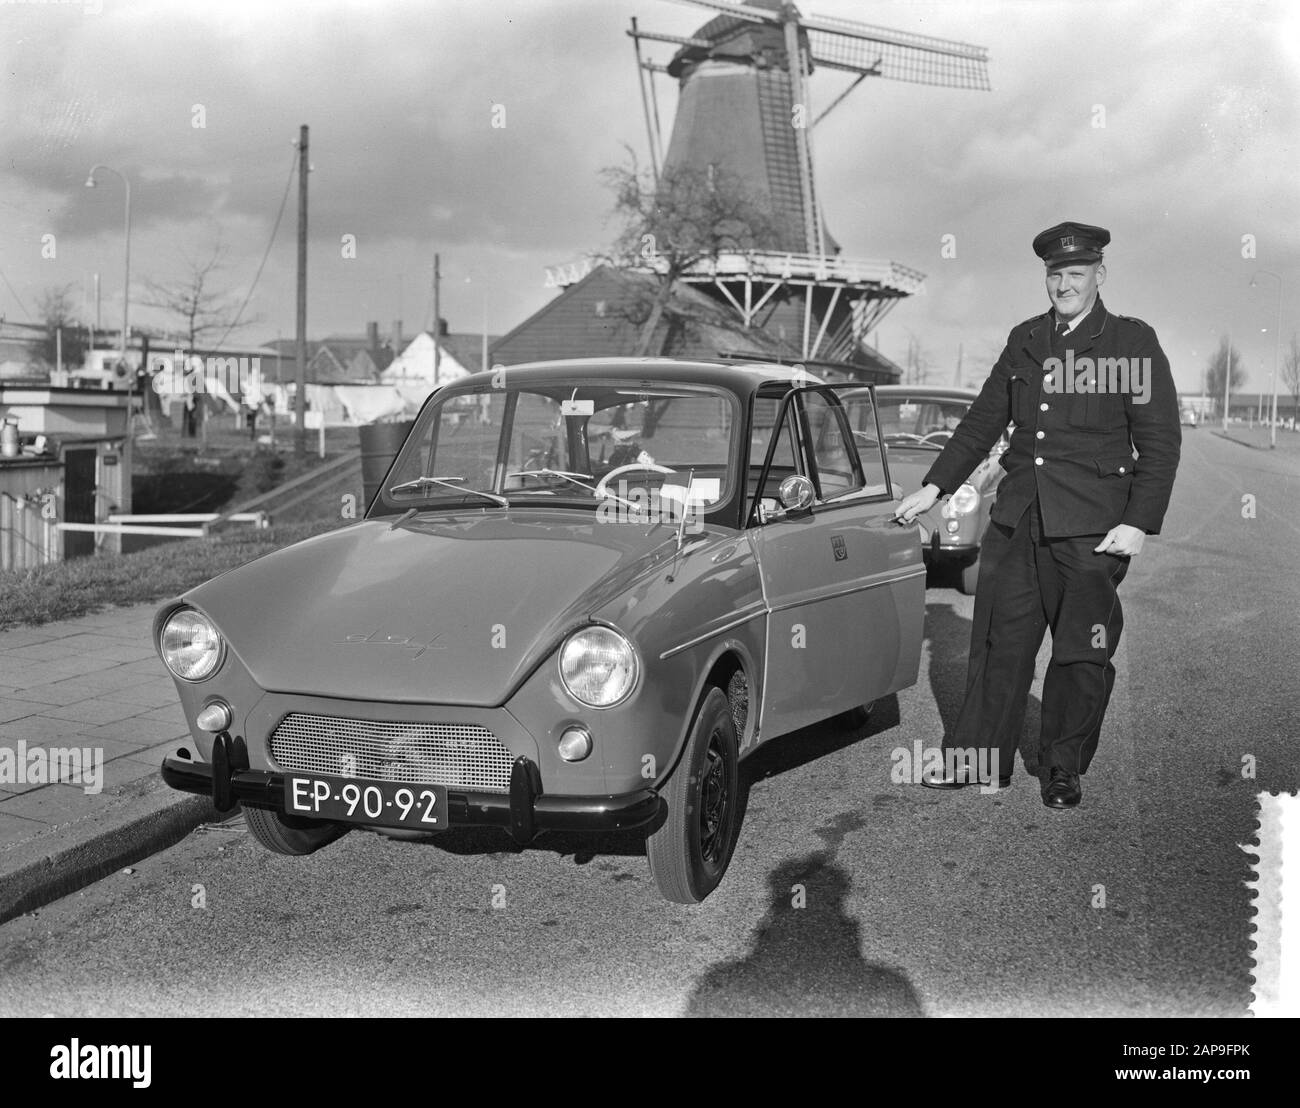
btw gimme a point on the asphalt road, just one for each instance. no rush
(848, 893)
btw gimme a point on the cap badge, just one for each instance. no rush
(1067, 242)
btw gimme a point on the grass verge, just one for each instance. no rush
(79, 586)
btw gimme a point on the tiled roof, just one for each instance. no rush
(467, 348)
(601, 316)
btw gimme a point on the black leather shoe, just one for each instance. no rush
(1063, 790)
(949, 780)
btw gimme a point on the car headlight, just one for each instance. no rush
(191, 645)
(964, 501)
(598, 666)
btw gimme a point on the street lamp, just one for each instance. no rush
(1277, 352)
(126, 279)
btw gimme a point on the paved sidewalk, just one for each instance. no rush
(89, 691)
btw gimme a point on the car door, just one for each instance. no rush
(843, 584)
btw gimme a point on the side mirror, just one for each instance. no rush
(795, 493)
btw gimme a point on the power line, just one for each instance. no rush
(267, 253)
(15, 295)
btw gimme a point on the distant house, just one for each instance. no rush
(417, 365)
(335, 359)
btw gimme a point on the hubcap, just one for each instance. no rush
(715, 803)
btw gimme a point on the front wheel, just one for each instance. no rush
(289, 835)
(970, 577)
(690, 852)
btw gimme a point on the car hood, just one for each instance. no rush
(908, 466)
(440, 608)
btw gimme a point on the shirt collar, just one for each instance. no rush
(1073, 325)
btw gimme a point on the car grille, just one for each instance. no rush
(459, 755)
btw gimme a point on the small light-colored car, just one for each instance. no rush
(916, 422)
(583, 593)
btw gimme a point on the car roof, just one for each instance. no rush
(936, 392)
(740, 377)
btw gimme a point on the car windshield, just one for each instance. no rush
(569, 443)
(919, 419)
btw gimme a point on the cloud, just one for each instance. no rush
(1199, 102)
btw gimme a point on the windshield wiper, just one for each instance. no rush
(568, 476)
(448, 482)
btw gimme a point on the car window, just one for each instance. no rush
(911, 418)
(538, 439)
(556, 441)
(836, 471)
(765, 411)
(683, 431)
(465, 436)
(860, 415)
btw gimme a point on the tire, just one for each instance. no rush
(690, 852)
(856, 717)
(970, 578)
(283, 834)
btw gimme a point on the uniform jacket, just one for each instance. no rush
(1073, 445)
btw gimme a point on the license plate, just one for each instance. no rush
(379, 803)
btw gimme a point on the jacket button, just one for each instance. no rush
(1121, 469)
(1042, 407)
(1041, 434)
(1038, 461)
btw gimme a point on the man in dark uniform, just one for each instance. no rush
(1085, 389)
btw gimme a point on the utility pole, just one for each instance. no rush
(958, 381)
(90, 350)
(437, 320)
(300, 395)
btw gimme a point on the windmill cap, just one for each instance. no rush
(1070, 244)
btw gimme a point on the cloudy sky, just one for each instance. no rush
(1200, 147)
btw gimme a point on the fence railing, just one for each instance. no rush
(27, 538)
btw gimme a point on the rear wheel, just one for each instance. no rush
(690, 852)
(288, 834)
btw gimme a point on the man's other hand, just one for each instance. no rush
(1123, 540)
(917, 503)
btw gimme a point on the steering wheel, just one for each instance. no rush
(935, 434)
(650, 467)
(862, 438)
(905, 435)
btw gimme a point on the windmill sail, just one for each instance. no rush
(744, 106)
(896, 55)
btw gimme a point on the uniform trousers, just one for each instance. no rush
(1028, 583)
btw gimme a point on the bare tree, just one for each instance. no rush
(1290, 370)
(688, 217)
(1217, 365)
(205, 311)
(57, 313)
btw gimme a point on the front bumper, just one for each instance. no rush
(938, 550)
(523, 811)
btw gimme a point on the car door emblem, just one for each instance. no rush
(840, 548)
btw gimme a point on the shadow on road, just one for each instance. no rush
(806, 958)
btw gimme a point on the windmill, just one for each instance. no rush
(744, 105)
